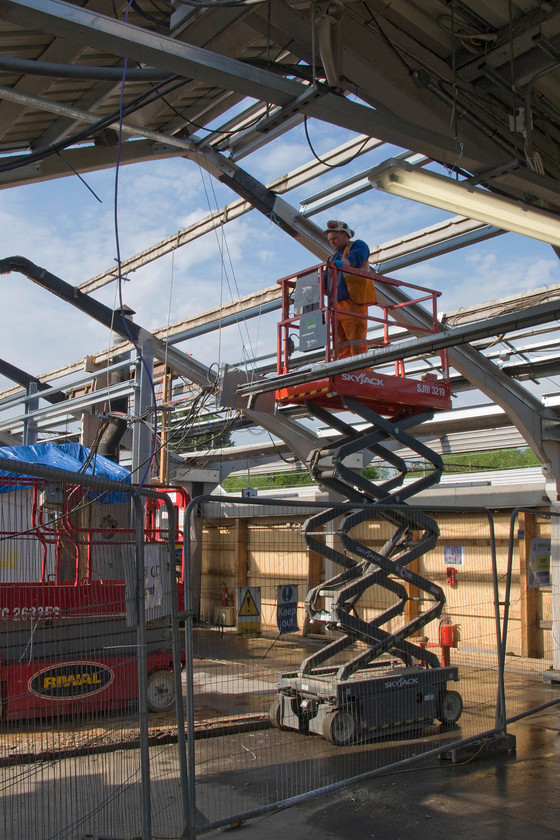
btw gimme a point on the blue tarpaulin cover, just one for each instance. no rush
(64, 456)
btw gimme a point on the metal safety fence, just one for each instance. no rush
(254, 638)
(168, 667)
(91, 586)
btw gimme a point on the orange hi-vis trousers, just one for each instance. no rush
(350, 331)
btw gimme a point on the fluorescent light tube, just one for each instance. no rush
(456, 197)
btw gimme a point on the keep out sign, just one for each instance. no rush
(286, 608)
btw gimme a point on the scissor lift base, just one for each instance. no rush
(375, 702)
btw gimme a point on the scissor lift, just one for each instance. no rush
(391, 684)
(67, 647)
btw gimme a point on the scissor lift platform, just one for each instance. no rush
(309, 313)
(386, 394)
(381, 700)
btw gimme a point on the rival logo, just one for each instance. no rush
(71, 679)
(401, 682)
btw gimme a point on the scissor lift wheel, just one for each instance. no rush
(160, 691)
(339, 727)
(276, 712)
(451, 708)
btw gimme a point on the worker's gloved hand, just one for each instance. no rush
(338, 263)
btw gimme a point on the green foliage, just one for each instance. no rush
(268, 481)
(493, 459)
(498, 459)
(277, 481)
(374, 473)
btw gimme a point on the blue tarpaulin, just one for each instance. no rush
(64, 456)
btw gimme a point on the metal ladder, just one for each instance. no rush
(363, 567)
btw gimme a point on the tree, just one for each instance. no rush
(279, 480)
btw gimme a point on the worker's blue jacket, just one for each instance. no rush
(357, 254)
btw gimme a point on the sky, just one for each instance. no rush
(61, 226)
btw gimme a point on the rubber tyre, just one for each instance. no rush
(276, 714)
(339, 727)
(161, 691)
(451, 708)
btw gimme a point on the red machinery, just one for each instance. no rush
(66, 646)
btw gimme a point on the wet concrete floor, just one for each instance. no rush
(513, 796)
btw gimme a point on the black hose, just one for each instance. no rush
(78, 71)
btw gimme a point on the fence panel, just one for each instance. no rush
(95, 703)
(528, 642)
(87, 657)
(256, 546)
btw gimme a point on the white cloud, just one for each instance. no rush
(59, 225)
(278, 158)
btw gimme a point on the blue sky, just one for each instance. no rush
(59, 225)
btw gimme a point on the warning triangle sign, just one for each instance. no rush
(248, 606)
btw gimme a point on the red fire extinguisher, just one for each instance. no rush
(447, 633)
(225, 595)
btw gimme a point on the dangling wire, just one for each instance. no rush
(75, 171)
(325, 162)
(224, 248)
(120, 275)
(259, 317)
(453, 122)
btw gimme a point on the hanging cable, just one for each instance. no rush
(211, 131)
(75, 171)
(140, 101)
(120, 275)
(242, 321)
(325, 162)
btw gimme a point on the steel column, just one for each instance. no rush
(142, 437)
(30, 424)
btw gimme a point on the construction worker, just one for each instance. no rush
(353, 293)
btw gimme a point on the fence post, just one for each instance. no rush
(143, 396)
(500, 720)
(189, 691)
(138, 519)
(189, 828)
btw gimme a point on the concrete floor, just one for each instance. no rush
(513, 796)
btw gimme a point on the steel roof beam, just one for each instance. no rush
(83, 160)
(69, 21)
(25, 380)
(300, 439)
